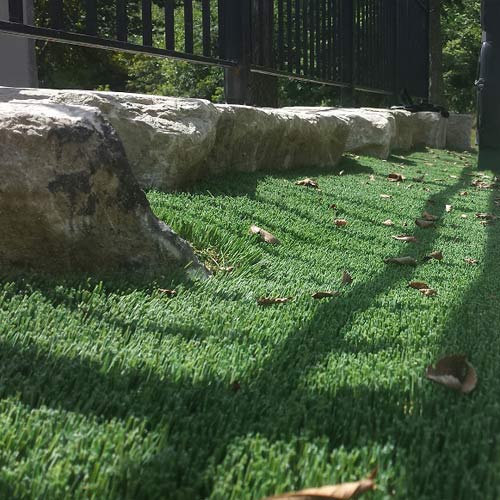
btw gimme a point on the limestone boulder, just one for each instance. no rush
(166, 139)
(459, 132)
(69, 200)
(429, 129)
(371, 131)
(250, 139)
(405, 124)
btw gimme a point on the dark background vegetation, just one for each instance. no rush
(63, 66)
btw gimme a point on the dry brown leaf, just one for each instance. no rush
(438, 255)
(463, 193)
(428, 292)
(409, 261)
(385, 196)
(464, 216)
(372, 177)
(481, 184)
(453, 176)
(268, 301)
(341, 172)
(485, 216)
(424, 223)
(418, 285)
(308, 182)
(396, 177)
(333, 206)
(471, 261)
(264, 235)
(166, 291)
(322, 295)
(340, 222)
(346, 278)
(448, 208)
(427, 216)
(455, 372)
(388, 222)
(342, 491)
(405, 237)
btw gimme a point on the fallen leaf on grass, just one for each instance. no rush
(340, 222)
(396, 178)
(438, 255)
(485, 216)
(346, 278)
(235, 386)
(409, 261)
(453, 176)
(322, 295)
(166, 291)
(429, 217)
(463, 193)
(385, 196)
(268, 301)
(341, 172)
(424, 223)
(464, 216)
(264, 235)
(388, 222)
(372, 177)
(405, 237)
(308, 182)
(333, 206)
(418, 285)
(428, 292)
(455, 372)
(471, 261)
(481, 184)
(342, 491)
(448, 208)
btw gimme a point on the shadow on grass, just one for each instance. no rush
(275, 402)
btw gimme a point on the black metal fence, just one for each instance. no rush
(369, 45)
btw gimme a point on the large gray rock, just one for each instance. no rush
(429, 129)
(371, 131)
(250, 139)
(167, 139)
(68, 199)
(459, 132)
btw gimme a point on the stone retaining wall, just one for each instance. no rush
(72, 164)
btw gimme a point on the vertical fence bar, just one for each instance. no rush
(188, 26)
(56, 14)
(281, 42)
(331, 47)
(91, 17)
(324, 36)
(305, 38)
(16, 14)
(289, 43)
(221, 21)
(147, 25)
(318, 38)
(312, 37)
(121, 20)
(297, 37)
(205, 20)
(169, 25)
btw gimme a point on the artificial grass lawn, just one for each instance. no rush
(114, 390)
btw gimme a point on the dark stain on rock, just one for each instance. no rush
(72, 185)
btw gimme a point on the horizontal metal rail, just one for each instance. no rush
(51, 35)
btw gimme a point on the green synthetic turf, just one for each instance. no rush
(114, 390)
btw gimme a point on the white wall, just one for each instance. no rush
(17, 54)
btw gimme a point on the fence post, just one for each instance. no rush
(237, 41)
(348, 51)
